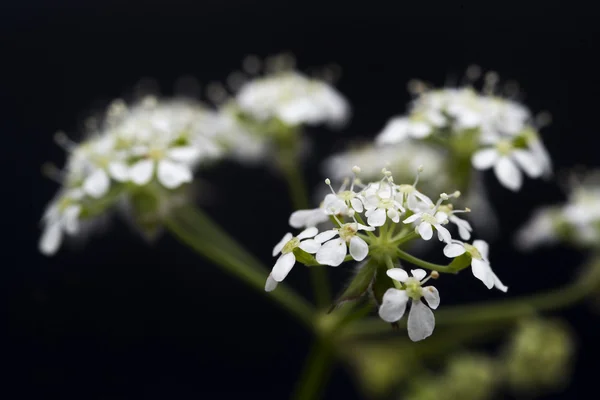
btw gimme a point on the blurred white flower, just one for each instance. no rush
(508, 162)
(480, 264)
(293, 99)
(421, 321)
(61, 217)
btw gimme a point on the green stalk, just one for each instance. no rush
(195, 229)
(427, 265)
(316, 371)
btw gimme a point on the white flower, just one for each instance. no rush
(287, 259)
(540, 229)
(464, 227)
(506, 161)
(421, 321)
(412, 198)
(294, 99)
(333, 252)
(427, 220)
(381, 201)
(400, 128)
(61, 216)
(308, 218)
(172, 165)
(480, 264)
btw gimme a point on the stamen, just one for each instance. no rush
(419, 170)
(328, 183)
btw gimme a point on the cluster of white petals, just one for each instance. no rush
(506, 138)
(357, 210)
(577, 221)
(294, 99)
(152, 141)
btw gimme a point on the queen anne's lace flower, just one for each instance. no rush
(480, 264)
(286, 247)
(507, 162)
(427, 220)
(333, 251)
(293, 99)
(383, 200)
(421, 320)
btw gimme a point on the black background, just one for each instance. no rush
(118, 319)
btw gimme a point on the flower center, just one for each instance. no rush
(347, 231)
(504, 147)
(430, 219)
(346, 195)
(386, 203)
(290, 246)
(472, 250)
(406, 188)
(413, 288)
(156, 154)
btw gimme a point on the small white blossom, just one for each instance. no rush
(508, 162)
(427, 220)
(307, 218)
(287, 259)
(480, 264)
(61, 217)
(464, 227)
(400, 128)
(382, 200)
(421, 321)
(333, 251)
(294, 99)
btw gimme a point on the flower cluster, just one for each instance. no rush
(494, 131)
(150, 145)
(372, 222)
(577, 221)
(139, 155)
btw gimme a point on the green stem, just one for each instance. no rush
(195, 229)
(316, 371)
(425, 264)
(493, 311)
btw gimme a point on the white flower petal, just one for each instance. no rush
(279, 246)
(332, 253)
(419, 273)
(307, 218)
(528, 163)
(96, 185)
(485, 158)
(186, 154)
(283, 266)
(393, 214)
(141, 172)
(377, 218)
(498, 284)
(482, 271)
(271, 284)
(310, 246)
(443, 233)
(358, 248)
(422, 197)
(421, 321)
(483, 247)
(393, 305)
(395, 131)
(172, 175)
(70, 219)
(362, 227)
(51, 239)
(397, 274)
(413, 218)
(508, 174)
(454, 250)
(308, 233)
(325, 236)
(432, 296)
(425, 230)
(356, 205)
(119, 171)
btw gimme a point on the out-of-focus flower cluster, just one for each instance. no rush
(373, 220)
(462, 128)
(140, 157)
(576, 222)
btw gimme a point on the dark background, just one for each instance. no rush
(118, 319)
